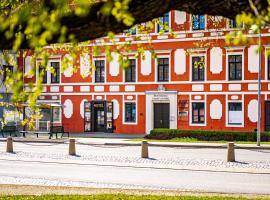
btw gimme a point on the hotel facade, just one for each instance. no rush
(195, 82)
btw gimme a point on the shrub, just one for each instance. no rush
(166, 134)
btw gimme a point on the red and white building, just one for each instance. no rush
(196, 82)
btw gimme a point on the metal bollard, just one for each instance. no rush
(9, 145)
(144, 153)
(72, 148)
(230, 153)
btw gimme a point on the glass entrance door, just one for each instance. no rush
(99, 117)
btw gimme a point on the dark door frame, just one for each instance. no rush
(167, 103)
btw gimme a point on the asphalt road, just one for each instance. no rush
(49, 165)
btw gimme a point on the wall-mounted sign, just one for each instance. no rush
(183, 113)
(161, 97)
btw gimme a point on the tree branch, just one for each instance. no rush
(96, 25)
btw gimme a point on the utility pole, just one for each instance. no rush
(259, 91)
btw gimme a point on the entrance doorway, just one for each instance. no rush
(267, 115)
(98, 116)
(161, 115)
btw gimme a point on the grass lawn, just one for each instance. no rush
(119, 197)
(193, 140)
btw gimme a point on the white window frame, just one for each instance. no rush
(227, 113)
(205, 67)
(60, 117)
(48, 73)
(94, 71)
(156, 68)
(170, 24)
(136, 75)
(124, 111)
(190, 111)
(191, 24)
(227, 65)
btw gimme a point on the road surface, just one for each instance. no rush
(200, 170)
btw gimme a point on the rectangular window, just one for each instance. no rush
(163, 24)
(130, 112)
(131, 31)
(163, 69)
(198, 22)
(130, 72)
(56, 114)
(198, 113)
(198, 65)
(232, 23)
(235, 67)
(42, 73)
(268, 67)
(55, 76)
(235, 115)
(99, 73)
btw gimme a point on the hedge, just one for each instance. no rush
(166, 134)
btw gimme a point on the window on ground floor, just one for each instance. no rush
(130, 112)
(198, 113)
(235, 113)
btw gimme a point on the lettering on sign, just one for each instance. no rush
(161, 97)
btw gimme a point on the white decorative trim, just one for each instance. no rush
(182, 35)
(68, 108)
(162, 37)
(130, 88)
(82, 107)
(180, 61)
(180, 17)
(253, 59)
(197, 87)
(197, 34)
(217, 33)
(114, 65)
(198, 97)
(234, 87)
(114, 88)
(215, 87)
(129, 97)
(85, 65)
(99, 88)
(252, 87)
(54, 89)
(116, 109)
(69, 70)
(28, 66)
(234, 97)
(216, 60)
(68, 88)
(216, 109)
(146, 64)
(85, 88)
(253, 110)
